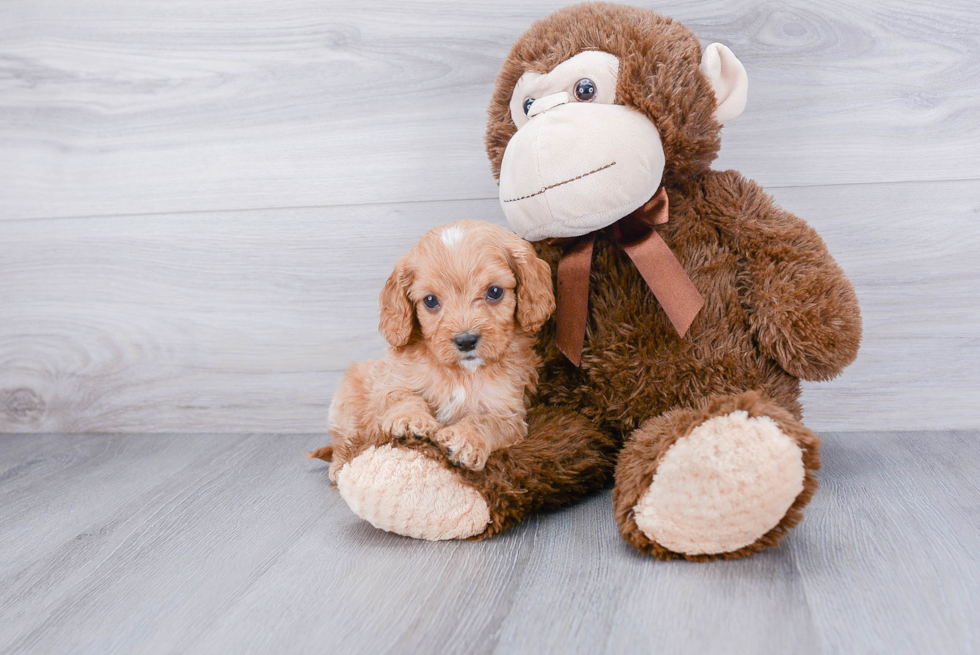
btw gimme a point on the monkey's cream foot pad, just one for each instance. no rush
(722, 487)
(405, 492)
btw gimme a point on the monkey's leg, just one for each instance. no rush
(720, 482)
(410, 488)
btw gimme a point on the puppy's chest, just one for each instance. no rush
(458, 400)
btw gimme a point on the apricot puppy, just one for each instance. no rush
(460, 311)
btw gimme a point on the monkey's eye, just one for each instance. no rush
(430, 301)
(527, 105)
(494, 294)
(584, 90)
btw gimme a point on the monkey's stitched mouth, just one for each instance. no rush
(543, 189)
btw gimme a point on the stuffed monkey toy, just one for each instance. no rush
(689, 307)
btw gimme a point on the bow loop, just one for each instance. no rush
(638, 225)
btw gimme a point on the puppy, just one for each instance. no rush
(460, 311)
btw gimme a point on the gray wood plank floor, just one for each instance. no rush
(236, 544)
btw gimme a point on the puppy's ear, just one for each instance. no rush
(535, 295)
(397, 315)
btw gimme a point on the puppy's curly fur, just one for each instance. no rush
(463, 282)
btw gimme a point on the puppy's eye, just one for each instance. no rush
(585, 90)
(527, 105)
(430, 301)
(494, 294)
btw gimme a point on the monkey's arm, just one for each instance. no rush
(802, 307)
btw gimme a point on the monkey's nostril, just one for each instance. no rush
(466, 341)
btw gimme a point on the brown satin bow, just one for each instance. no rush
(653, 259)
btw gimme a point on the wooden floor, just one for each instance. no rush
(199, 201)
(237, 544)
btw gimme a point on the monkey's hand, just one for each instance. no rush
(808, 321)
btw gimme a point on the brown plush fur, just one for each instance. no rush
(470, 402)
(777, 306)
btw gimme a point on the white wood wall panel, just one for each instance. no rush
(200, 200)
(236, 321)
(127, 108)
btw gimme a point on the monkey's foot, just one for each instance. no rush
(405, 492)
(721, 487)
(723, 482)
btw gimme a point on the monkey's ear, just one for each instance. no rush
(535, 295)
(397, 316)
(728, 79)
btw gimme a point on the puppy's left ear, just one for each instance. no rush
(397, 315)
(535, 295)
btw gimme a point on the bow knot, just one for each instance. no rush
(653, 259)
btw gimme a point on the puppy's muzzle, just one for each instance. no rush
(466, 341)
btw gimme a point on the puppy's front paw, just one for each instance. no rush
(463, 448)
(404, 424)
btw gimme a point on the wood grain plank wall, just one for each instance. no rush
(200, 200)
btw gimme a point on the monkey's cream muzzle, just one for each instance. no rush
(575, 167)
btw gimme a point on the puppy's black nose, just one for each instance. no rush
(466, 341)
